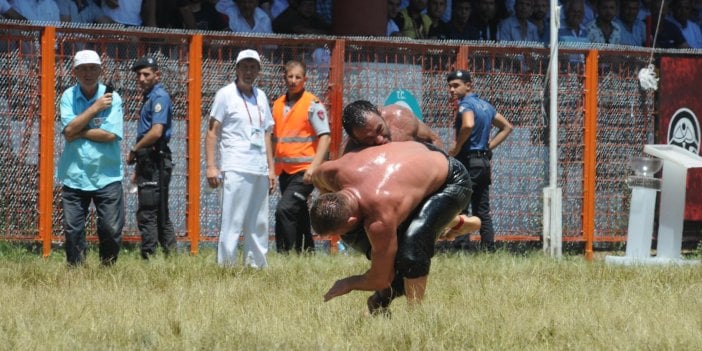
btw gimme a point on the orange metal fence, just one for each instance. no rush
(604, 117)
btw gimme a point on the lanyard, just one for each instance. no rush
(246, 105)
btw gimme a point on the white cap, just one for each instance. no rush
(86, 57)
(248, 54)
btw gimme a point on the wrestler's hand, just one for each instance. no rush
(340, 287)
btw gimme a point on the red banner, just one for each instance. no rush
(680, 109)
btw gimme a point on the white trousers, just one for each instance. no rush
(244, 212)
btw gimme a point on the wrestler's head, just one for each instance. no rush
(363, 123)
(331, 213)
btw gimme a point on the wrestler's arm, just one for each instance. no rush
(383, 251)
(424, 133)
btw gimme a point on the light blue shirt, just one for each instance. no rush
(90, 13)
(511, 30)
(237, 23)
(4, 6)
(37, 11)
(635, 37)
(691, 32)
(89, 165)
(128, 12)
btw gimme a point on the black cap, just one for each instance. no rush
(460, 74)
(145, 62)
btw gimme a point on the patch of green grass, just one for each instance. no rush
(498, 301)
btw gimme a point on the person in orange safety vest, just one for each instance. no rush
(301, 138)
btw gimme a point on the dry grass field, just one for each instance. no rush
(475, 301)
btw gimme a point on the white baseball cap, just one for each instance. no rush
(86, 57)
(248, 54)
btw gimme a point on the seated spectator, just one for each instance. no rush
(633, 30)
(572, 29)
(413, 23)
(518, 27)
(393, 10)
(37, 11)
(487, 17)
(6, 11)
(604, 29)
(459, 27)
(681, 11)
(200, 14)
(81, 11)
(244, 16)
(669, 35)
(300, 18)
(438, 28)
(129, 12)
(588, 12)
(540, 18)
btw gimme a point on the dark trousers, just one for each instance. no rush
(153, 175)
(292, 216)
(109, 206)
(479, 169)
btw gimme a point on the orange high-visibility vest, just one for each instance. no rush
(295, 139)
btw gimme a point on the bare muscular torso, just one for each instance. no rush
(390, 180)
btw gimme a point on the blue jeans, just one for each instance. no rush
(109, 206)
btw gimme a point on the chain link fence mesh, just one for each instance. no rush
(512, 78)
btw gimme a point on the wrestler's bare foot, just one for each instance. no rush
(376, 307)
(461, 225)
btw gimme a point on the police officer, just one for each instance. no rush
(153, 160)
(474, 121)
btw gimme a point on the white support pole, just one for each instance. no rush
(553, 229)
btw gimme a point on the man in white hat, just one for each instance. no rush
(91, 163)
(241, 122)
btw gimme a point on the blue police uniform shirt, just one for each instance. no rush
(484, 113)
(89, 165)
(157, 109)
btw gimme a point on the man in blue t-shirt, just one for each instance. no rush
(474, 121)
(91, 163)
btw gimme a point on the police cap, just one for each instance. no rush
(460, 74)
(145, 62)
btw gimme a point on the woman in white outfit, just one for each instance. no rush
(241, 121)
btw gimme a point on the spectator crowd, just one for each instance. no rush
(625, 22)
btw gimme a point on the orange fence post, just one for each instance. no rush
(46, 138)
(194, 140)
(590, 151)
(462, 57)
(336, 100)
(336, 96)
